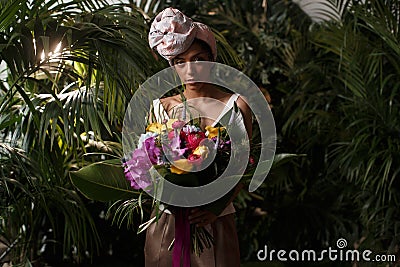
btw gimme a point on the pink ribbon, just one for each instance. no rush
(182, 239)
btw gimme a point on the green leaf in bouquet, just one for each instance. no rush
(185, 179)
(201, 238)
(125, 211)
(146, 225)
(103, 181)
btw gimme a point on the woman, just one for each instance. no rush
(182, 42)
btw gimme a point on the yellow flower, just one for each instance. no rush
(213, 131)
(169, 124)
(155, 127)
(201, 151)
(181, 166)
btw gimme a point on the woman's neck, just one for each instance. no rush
(206, 90)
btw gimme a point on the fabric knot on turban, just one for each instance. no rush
(172, 33)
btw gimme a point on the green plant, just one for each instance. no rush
(71, 68)
(342, 113)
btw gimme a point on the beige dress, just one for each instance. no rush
(224, 253)
(159, 235)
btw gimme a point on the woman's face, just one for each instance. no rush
(190, 72)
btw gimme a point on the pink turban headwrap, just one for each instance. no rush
(172, 33)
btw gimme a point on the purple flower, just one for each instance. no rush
(225, 145)
(221, 144)
(145, 136)
(137, 168)
(153, 151)
(129, 177)
(173, 148)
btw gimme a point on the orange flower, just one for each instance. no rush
(213, 131)
(201, 151)
(181, 166)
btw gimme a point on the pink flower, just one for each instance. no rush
(193, 139)
(193, 157)
(173, 148)
(195, 160)
(171, 135)
(252, 161)
(178, 124)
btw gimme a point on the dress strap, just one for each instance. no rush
(159, 112)
(228, 106)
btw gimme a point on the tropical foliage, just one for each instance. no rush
(71, 69)
(363, 50)
(333, 85)
(338, 83)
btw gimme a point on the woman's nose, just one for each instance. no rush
(190, 68)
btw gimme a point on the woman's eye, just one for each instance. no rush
(179, 62)
(182, 62)
(196, 59)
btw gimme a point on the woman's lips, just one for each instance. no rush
(190, 81)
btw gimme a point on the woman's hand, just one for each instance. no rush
(201, 217)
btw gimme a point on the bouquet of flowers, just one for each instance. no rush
(184, 155)
(175, 147)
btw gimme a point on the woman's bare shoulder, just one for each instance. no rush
(170, 102)
(224, 97)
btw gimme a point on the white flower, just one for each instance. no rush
(190, 128)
